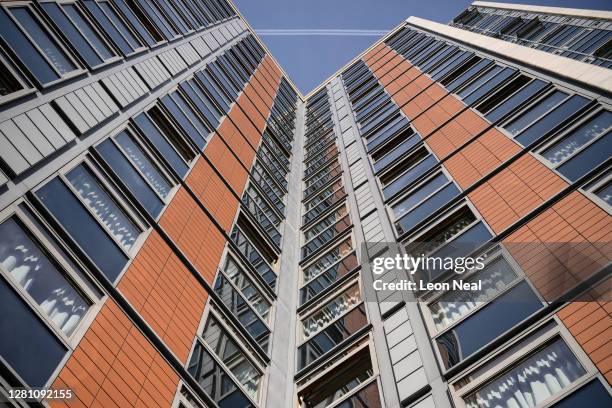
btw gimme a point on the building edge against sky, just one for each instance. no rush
(180, 227)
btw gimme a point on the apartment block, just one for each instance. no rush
(181, 227)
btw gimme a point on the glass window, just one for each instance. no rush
(516, 125)
(495, 107)
(168, 142)
(240, 278)
(187, 118)
(536, 378)
(174, 16)
(253, 256)
(24, 260)
(114, 26)
(582, 149)
(467, 71)
(214, 380)
(419, 194)
(83, 228)
(10, 82)
(108, 212)
(80, 32)
(427, 207)
(602, 187)
(398, 147)
(237, 362)
(335, 308)
(143, 25)
(407, 171)
(485, 325)
(31, 349)
(157, 17)
(45, 42)
(26, 51)
(336, 385)
(331, 335)
(485, 84)
(136, 171)
(454, 305)
(199, 98)
(220, 98)
(594, 394)
(553, 119)
(327, 269)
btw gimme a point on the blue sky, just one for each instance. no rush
(311, 59)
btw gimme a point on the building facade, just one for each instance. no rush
(180, 227)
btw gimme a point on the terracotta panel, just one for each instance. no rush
(119, 386)
(171, 300)
(227, 165)
(236, 141)
(199, 239)
(480, 157)
(522, 186)
(246, 127)
(213, 193)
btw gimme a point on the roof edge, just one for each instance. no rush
(587, 75)
(563, 11)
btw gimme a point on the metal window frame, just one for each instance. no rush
(143, 47)
(311, 311)
(522, 354)
(111, 47)
(211, 311)
(78, 69)
(64, 267)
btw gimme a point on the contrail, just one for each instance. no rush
(326, 31)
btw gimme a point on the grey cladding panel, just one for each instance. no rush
(411, 384)
(29, 137)
(200, 46)
(87, 106)
(153, 72)
(352, 153)
(173, 61)
(358, 175)
(363, 195)
(125, 86)
(211, 41)
(188, 53)
(405, 357)
(425, 403)
(348, 137)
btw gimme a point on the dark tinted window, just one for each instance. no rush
(26, 344)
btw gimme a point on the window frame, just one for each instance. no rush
(57, 259)
(126, 23)
(212, 311)
(565, 132)
(522, 354)
(350, 239)
(415, 186)
(498, 252)
(322, 373)
(601, 180)
(236, 259)
(78, 69)
(11, 68)
(178, 133)
(120, 201)
(462, 205)
(309, 312)
(159, 165)
(94, 28)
